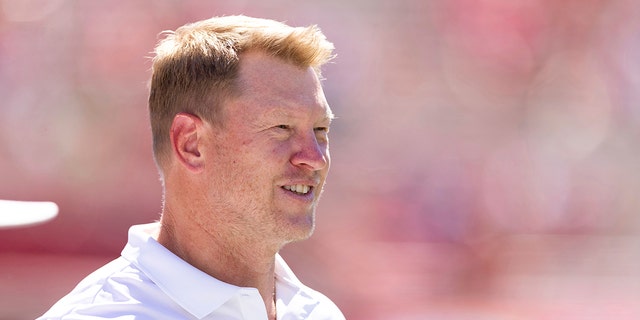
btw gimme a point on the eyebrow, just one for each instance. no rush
(330, 116)
(285, 113)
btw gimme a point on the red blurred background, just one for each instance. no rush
(485, 157)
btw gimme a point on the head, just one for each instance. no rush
(240, 119)
(195, 68)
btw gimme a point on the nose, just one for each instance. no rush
(311, 154)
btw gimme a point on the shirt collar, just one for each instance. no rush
(194, 290)
(293, 299)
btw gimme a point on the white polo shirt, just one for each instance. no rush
(150, 282)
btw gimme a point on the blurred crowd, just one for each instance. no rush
(485, 155)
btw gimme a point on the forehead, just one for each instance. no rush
(269, 86)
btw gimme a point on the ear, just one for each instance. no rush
(186, 134)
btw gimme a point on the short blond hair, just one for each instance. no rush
(195, 67)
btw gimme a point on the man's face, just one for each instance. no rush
(270, 157)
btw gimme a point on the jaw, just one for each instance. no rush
(300, 227)
(294, 215)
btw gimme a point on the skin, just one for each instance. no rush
(226, 210)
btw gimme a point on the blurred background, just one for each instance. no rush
(485, 158)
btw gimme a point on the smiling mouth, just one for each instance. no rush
(301, 189)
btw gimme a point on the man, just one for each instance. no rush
(240, 125)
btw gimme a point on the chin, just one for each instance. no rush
(300, 229)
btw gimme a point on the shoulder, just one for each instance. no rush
(116, 289)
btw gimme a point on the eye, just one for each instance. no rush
(283, 126)
(322, 133)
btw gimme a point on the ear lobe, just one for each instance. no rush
(185, 141)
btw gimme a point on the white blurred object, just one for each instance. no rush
(25, 213)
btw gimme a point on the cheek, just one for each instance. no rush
(246, 142)
(281, 151)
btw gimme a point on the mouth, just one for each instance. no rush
(300, 189)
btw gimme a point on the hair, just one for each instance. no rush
(195, 67)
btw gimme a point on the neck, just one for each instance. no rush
(216, 252)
